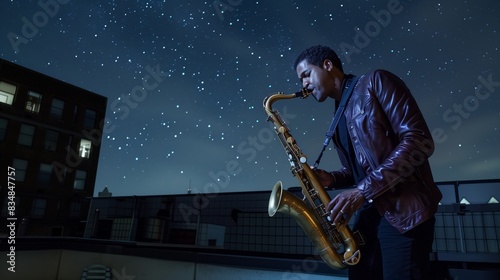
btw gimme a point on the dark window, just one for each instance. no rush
(74, 209)
(38, 210)
(90, 116)
(57, 109)
(21, 166)
(80, 178)
(26, 135)
(50, 143)
(45, 174)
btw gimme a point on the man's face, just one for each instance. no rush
(320, 80)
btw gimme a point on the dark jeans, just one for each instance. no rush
(388, 254)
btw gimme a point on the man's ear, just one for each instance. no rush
(327, 65)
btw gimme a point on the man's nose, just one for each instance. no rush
(305, 83)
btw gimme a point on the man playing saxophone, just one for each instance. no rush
(383, 143)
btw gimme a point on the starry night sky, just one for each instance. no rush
(205, 73)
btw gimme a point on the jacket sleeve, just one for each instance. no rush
(342, 179)
(413, 143)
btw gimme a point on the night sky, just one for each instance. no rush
(185, 80)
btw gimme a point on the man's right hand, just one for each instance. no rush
(325, 178)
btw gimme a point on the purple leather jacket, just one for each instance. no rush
(392, 143)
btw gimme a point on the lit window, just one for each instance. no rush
(38, 210)
(90, 116)
(34, 102)
(80, 178)
(50, 143)
(26, 135)
(21, 166)
(45, 174)
(7, 93)
(85, 148)
(3, 128)
(57, 109)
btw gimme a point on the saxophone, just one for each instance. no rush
(335, 243)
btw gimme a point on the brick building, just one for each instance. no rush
(50, 135)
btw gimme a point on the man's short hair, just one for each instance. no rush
(316, 55)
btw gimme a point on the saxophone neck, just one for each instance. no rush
(269, 100)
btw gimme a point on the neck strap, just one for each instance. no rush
(350, 83)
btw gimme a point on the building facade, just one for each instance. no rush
(50, 139)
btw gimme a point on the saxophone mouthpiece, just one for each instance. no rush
(303, 93)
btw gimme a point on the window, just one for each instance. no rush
(38, 210)
(57, 109)
(21, 166)
(34, 102)
(121, 229)
(7, 92)
(85, 146)
(90, 116)
(80, 178)
(75, 209)
(26, 135)
(50, 143)
(3, 128)
(44, 174)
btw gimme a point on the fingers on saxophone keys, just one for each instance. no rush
(344, 214)
(343, 217)
(330, 217)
